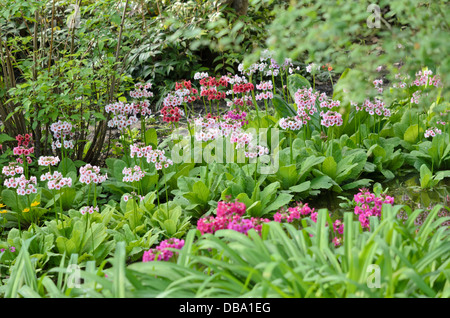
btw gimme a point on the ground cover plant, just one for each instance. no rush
(188, 149)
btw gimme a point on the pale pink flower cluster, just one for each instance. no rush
(123, 114)
(291, 123)
(141, 91)
(48, 160)
(122, 122)
(12, 169)
(331, 118)
(22, 185)
(173, 100)
(416, 97)
(264, 95)
(432, 132)
(312, 67)
(250, 70)
(240, 101)
(256, 151)
(241, 138)
(200, 75)
(132, 174)
(210, 129)
(236, 79)
(141, 108)
(91, 174)
(56, 180)
(62, 129)
(264, 86)
(208, 135)
(376, 107)
(424, 78)
(326, 102)
(378, 83)
(203, 122)
(127, 197)
(89, 209)
(159, 158)
(305, 98)
(140, 152)
(68, 144)
(401, 78)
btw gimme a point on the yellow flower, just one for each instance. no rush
(26, 210)
(35, 203)
(3, 211)
(2, 205)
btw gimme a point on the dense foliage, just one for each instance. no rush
(158, 149)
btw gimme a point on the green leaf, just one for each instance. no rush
(425, 176)
(5, 137)
(296, 82)
(283, 109)
(151, 137)
(302, 187)
(329, 167)
(412, 133)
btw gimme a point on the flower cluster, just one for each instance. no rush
(229, 216)
(68, 144)
(23, 149)
(243, 88)
(291, 123)
(48, 161)
(123, 114)
(367, 204)
(416, 97)
(338, 228)
(377, 107)
(159, 158)
(132, 174)
(12, 249)
(305, 98)
(171, 113)
(266, 90)
(62, 131)
(22, 185)
(432, 132)
(127, 197)
(190, 94)
(200, 75)
(56, 180)
(141, 91)
(140, 151)
(240, 101)
(424, 78)
(12, 169)
(255, 151)
(89, 209)
(331, 118)
(378, 83)
(241, 138)
(312, 67)
(293, 213)
(163, 251)
(91, 174)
